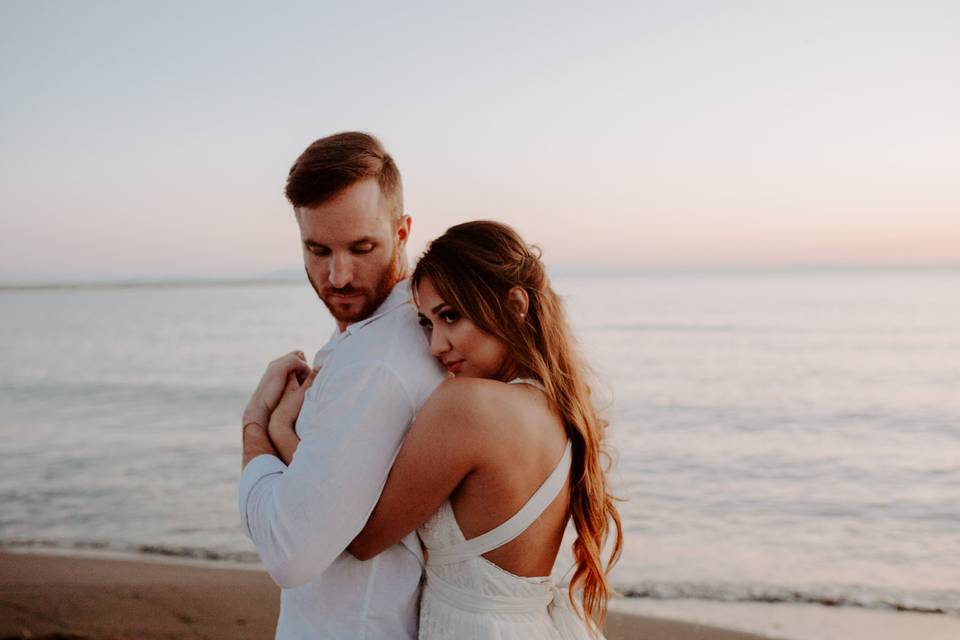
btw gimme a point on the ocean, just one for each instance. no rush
(782, 436)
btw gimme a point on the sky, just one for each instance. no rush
(152, 139)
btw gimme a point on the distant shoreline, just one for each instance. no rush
(297, 278)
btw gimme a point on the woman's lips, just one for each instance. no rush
(454, 367)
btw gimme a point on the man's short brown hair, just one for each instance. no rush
(331, 164)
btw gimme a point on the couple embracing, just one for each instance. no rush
(444, 436)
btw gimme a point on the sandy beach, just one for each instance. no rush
(93, 598)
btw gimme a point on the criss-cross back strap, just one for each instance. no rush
(513, 527)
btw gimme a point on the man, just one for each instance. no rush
(375, 374)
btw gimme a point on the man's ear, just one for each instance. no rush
(518, 301)
(403, 229)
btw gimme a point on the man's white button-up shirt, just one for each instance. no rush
(374, 377)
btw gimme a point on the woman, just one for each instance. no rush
(500, 457)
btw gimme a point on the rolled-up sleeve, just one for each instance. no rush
(301, 517)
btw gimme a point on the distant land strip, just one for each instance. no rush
(289, 277)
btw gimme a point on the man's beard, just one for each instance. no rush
(372, 298)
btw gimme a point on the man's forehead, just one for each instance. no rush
(342, 226)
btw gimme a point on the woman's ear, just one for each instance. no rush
(518, 301)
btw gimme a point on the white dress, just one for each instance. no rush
(467, 597)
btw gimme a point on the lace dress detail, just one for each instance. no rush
(467, 597)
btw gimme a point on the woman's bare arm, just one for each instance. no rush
(444, 445)
(283, 419)
(284, 437)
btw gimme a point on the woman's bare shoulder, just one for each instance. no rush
(463, 398)
(483, 407)
(481, 397)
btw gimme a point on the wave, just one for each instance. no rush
(942, 601)
(170, 551)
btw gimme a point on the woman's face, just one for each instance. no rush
(456, 342)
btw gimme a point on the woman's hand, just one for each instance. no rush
(284, 417)
(268, 393)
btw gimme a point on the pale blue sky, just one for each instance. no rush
(145, 139)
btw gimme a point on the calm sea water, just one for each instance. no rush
(780, 437)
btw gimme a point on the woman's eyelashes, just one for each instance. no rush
(449, 316)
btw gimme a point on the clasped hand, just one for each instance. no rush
(274, 406)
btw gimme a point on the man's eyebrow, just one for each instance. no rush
(364, 240)
(312, 243)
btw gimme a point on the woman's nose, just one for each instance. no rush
(439, 344)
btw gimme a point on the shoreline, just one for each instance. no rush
(95, 594)
(91, 597)
(131, 556)
(795, 621)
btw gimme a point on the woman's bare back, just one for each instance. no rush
(524, 442)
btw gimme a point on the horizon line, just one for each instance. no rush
(295, 275)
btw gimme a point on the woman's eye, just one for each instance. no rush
(426, 324)
(449, 316)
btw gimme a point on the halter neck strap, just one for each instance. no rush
(530, 381)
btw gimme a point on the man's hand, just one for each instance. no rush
(255, 442)
(265, 399)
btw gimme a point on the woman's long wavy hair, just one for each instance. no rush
(472, 267)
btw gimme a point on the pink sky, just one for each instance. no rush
(155, 143)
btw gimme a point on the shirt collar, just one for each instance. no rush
(399, 295)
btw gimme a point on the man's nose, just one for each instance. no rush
(341, 271)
